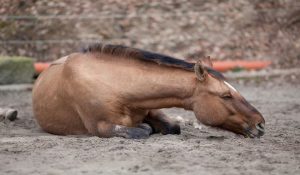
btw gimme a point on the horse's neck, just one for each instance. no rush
(165, 87)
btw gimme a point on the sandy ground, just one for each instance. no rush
(25, 149)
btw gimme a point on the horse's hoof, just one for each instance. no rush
(146, 127)
(171, 129)
(137, 133)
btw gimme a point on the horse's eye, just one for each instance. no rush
(226, 96)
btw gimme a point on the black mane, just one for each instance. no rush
(120, 50)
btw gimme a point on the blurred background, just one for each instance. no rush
(34, 32)
(224, 29)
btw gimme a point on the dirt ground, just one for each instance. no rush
(25, 149)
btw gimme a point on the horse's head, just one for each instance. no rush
(217, 103)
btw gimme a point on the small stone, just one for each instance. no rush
(11, 114)
(2, 117)
(8, 113)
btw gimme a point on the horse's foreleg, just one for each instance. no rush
(106, 129)
(161, 123)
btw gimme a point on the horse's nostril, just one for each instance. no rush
(260, 127)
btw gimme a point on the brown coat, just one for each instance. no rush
(114, 90)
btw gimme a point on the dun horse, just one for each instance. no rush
(110, 90)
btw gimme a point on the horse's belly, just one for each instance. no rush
(59, 120)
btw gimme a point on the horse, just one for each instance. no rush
(118, 91)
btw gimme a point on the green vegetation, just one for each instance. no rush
(15, 70)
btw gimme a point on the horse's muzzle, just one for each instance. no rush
(257, 132)
(261, 128)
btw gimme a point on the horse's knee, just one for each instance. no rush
(104, 129)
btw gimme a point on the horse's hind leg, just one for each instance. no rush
(106, 129)
(162, 123)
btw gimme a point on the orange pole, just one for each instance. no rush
(223, 66)
(40, 67)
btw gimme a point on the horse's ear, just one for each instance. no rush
(200, 71)
(207, 62)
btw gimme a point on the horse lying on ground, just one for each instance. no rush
(111, 90)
